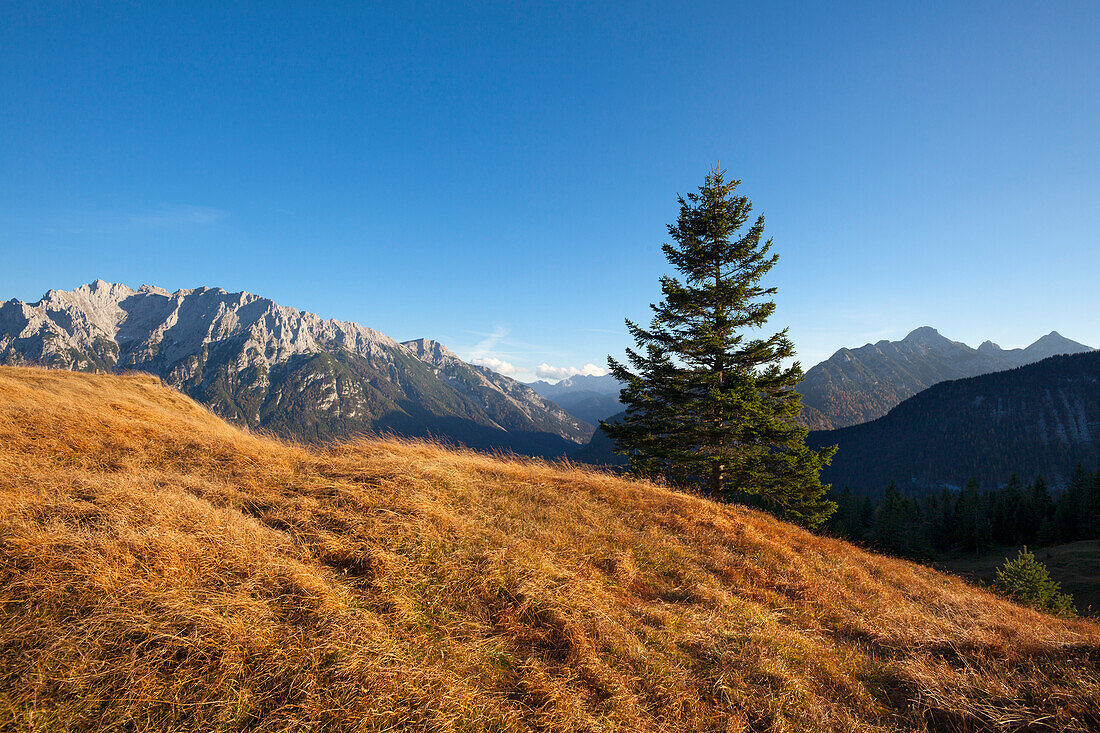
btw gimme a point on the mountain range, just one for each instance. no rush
(263, 365)
(857, 385)
(268, 366)
(1040, 419)
(586, 397)
(869, 381)
(854, 385)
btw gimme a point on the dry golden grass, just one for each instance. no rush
(162, 570)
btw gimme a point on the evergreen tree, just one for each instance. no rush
(972, 520)
(897, 524)
(1009, 508)
(845, 521)
(707, 403)
(1091, 515)
(938, 512)
(1041, 528)
(1027, 581)
(973, 532)
(1070, 520)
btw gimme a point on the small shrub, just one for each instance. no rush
(1027, 581)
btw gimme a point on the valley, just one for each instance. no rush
(1076, 565)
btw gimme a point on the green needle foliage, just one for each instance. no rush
(707, 403)
(1027, 581)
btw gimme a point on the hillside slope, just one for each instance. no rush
(857, 385)
(260, 364)
(1043, 418)
(161, 569)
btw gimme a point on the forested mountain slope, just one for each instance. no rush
(857, 385)
(1043, 418)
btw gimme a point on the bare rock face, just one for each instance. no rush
(261, 364)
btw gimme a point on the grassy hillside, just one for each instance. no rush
(161, 569)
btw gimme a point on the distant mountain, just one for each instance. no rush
(263, 365)
(600, 449)
(857, 385)
(1043, 418)
(511, 404)
(587, 398)
(605, 385)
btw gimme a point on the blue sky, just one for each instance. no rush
(499, 176)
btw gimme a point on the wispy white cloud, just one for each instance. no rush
(178, 215)
(499, 353)
(552, 372)
(166, 216)
(482, 354)
(486, 345)
(506, 368)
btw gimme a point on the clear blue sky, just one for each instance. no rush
(499, 176)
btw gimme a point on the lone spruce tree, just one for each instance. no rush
(707, 403)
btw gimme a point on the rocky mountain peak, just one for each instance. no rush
(97, 291)
(262, 364)
(924, 334)
(89, 311)
(857, 385)
(431, 351)
(1053, 344)
(1053, 338)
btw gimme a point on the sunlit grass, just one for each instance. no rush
(163, 570)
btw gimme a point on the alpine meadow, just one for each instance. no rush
(432, 367)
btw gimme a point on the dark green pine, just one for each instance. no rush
(708, 402)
